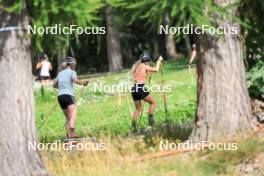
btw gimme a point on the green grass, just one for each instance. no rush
(100, 114)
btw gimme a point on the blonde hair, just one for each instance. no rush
(135, 65)
(131, 72)
(63, 65)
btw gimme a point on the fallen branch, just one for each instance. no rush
(161, 154)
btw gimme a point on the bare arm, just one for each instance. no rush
(50, 66)
(156, 68)
(38, 66)
(80, 82)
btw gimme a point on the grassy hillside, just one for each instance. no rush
(107, 116)
(107, 113)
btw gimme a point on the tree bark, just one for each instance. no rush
(17, 123)
(188, 45)
(223, 109)
(128, 56)
(169, 39)
(60, 58)
(187, 41)
(113, 42)
(155, 46)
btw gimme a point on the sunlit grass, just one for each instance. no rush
(120, 156)
(108, 118)
(101, 113)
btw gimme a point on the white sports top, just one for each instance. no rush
(45, 67)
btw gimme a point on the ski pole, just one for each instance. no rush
(164, 95)
(52, 110)
(165, 103)
(48, 116)
(129, 107)
(140, 117)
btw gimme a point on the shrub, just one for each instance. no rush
(255, 78)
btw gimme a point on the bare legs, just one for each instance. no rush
(44, 83)
(70, 114)
(150, 100)
(138, 110)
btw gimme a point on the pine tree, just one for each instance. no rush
(223, 109)
(82, 13)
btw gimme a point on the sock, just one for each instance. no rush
(151, 121)
(70, 132)
(134, 124)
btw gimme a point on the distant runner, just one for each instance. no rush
(64, 82)
(194, 54)
(139, 92)
(44, 67)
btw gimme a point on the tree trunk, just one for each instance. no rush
(60, 58)
(17, 123)
(188, 45)
(113, 42)
(169, 39)
(223, 109)
(155, 46)
(128, 56)
(187, 41)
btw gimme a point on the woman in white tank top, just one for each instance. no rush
(45, 67)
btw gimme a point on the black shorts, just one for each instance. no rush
(66, 100)
(44, 77)
(139, 92)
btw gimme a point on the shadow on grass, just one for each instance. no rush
(165, 130)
